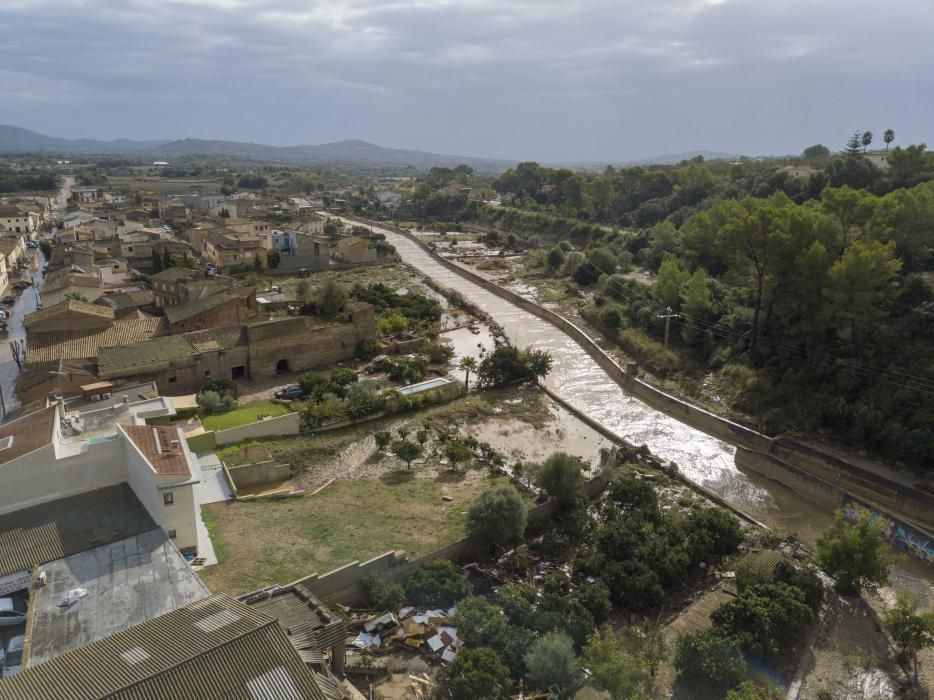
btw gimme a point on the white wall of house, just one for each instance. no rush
(151, 488)
(38, 477)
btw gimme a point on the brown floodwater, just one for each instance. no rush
(703, 459)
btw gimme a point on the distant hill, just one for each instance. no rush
(14, 139)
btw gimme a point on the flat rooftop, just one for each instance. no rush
(128, 582)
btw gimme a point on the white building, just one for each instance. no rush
(57, 452)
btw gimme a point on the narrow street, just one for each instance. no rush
(26, 303)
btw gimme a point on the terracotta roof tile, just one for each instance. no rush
(155, 442)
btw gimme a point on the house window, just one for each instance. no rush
(168, 498)
(172, 534)
(172, 380)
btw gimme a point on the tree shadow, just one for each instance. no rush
(397, 476)
(449, 476)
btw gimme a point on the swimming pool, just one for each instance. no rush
(424, 386)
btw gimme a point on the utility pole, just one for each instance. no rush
(668, 315)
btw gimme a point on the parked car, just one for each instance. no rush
(12, 659)
(12, 611)
(8, 300)
(293, 391)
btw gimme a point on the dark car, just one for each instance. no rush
(9, 300)
(293, 391)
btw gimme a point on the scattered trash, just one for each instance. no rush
(73, 596)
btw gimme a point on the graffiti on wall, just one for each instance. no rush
(902, 537)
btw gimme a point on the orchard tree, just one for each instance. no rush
(437, 584)
(560, 478)
(498, 516)
(855, 553)
(476, 674)
(621, 674)
(551, 661)
(707, 660)
(383, 438)
(407, 451)
(456, 451)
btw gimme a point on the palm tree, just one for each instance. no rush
(76, 296)
(866, 140)
(888, 137)
(468, 364)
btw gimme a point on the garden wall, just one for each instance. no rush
(246, 475)
(280, 425)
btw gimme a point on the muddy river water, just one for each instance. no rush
(703, 459)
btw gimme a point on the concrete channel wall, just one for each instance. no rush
(782, 460)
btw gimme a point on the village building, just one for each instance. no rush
(231, 250)
(86, 195)
(300, 251)
(19, 219)
(67, 283)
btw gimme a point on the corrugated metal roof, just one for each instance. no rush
(214, 648)
(40, 534)
(74, 345)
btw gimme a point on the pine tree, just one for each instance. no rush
(855, 145)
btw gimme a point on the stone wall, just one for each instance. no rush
(227, 313)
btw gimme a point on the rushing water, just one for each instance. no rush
(701, 458)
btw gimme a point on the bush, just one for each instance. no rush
(551, 661)
(344, 376)
(381, 594)
(476, 674)
(497, 516)
(560, 478)
(212, 402)
(596, 598)
(437, 584)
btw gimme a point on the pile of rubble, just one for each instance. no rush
(429, 632)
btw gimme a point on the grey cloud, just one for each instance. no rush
(591, 79)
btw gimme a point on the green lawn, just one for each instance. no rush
(264, 542)
(242, 416)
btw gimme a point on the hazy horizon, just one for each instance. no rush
(546, 81)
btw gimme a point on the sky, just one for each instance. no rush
(546, 80)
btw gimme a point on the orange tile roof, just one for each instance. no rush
(155, 442)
